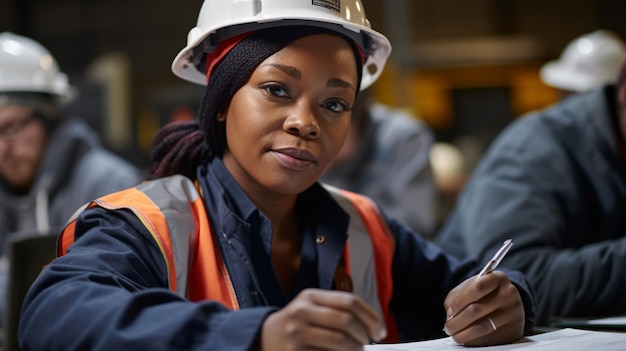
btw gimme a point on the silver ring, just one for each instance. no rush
(493, 325)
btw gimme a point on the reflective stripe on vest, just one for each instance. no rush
(375, 254)
(172, 211)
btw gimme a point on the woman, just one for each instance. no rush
(235, 245)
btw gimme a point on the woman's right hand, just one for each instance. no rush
(322, 320)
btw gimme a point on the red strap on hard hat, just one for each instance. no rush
(212, 59)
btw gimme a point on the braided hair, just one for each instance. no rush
(180, 147)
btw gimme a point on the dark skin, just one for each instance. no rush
(467, 317)
(284, 127)
(286, 252)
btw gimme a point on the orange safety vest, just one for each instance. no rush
(172, 210)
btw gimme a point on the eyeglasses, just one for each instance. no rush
(11, 130)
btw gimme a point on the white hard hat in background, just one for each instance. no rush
(587, 62)
(27, 66)
(221, 19)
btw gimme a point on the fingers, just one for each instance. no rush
(325, 320)
(472, 290)
(482, 333)
(279, 333)
(345, 311)
(484, 310)
(323, 338)
(492, 323)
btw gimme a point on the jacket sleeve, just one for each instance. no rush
(423, 275)
(530, 192)
(110, 293)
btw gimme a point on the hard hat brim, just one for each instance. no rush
(555, 75)
(183, 68)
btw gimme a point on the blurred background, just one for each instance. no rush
(467, 68)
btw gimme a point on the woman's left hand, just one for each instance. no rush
(485, 310)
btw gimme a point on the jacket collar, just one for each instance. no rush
(245, 233)
(313, 202)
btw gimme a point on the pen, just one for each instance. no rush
(495, 261)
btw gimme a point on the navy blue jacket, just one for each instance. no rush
(110, 291)
(553, 181)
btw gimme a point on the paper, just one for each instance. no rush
(563, 339)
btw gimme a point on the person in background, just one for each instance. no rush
(555, 182)
(386, 157)
(234, 244)
(587, 62)
(50, 164)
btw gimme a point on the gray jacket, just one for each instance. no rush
(553, 181)
(75, 169)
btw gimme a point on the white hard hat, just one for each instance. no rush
(586, 63)
(27, 66)
(221, 19)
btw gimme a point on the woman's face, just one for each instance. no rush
(287, 123)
